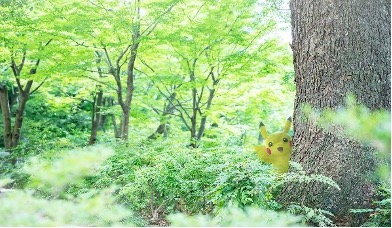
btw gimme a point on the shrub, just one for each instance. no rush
(45, 202)
(237, 217)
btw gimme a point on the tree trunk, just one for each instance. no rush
(96, 117)
(203, 120)
(339, 47)
(168, 110)
(102, 122)
(130, 83)
(5, 111)
(19, 115)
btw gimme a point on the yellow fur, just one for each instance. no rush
(277, 147)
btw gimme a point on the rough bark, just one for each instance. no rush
(339, 47)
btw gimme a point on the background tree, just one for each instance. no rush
(207, 55)
(25, 44)
(339, 47)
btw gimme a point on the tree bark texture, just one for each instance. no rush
(340, 48)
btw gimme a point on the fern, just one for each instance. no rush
(311, 215)
(380, 215)
(300, 176)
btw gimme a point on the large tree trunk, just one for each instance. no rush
(339, 47)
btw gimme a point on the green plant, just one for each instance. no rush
(45, 202)
(297, 174)
(158, 177)
(237, 217)
(313, 216)
(380, 215)
(243, 180)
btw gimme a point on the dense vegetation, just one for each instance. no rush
(171, 93)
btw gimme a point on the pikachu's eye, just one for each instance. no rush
(285, 140)
(270, 144)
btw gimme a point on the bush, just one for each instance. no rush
(237, 217)
(156, 178)
(243, 180)
(45, 202)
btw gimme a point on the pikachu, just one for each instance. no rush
(277, 147)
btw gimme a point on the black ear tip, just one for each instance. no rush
(290, 119)
(261, 124)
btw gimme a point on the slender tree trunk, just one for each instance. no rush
(102, 122)
(19, 117)
(116, 129)
(5, 111)
(195, 109)
(23, 97)
(168, 110)
(130, 84)
(339, 47)
(203, 120)
(96, 117)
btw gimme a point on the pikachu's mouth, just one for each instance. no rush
(280, 149)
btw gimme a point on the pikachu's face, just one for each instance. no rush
(278, 144)
(276, 148)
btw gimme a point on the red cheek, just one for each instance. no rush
(268, 151)
(291, 143)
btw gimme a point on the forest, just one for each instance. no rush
(195, 113)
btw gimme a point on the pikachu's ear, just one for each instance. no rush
(263, 130)
(287, 125)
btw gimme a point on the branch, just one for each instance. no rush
(122, 55)
(20, 87)
(14, 67)
(179, 103)
(80, 44)
(22, 62)
(145, 64)
(109, 61)
(154, 24)
(103, 83)
(34, 90)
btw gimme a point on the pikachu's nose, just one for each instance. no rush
(280, 149)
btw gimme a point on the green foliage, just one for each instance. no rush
(29, 208)
(299, 176)
(234, 56)
(312, 216)
(360, 123)
(237, 217)
(243, 181)
(370, 127)
(380, 215)
(160, 177)
(55, 175)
